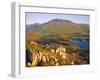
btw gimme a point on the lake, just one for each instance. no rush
(82, 44)
(80, 36)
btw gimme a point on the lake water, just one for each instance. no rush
(82, 44)
(80, 36)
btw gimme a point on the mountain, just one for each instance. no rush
(32, 27)
(85, 27)
(61, 26)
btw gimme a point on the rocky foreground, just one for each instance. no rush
(52, 55)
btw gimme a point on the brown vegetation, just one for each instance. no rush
(47, 56)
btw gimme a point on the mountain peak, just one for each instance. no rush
(61, 20)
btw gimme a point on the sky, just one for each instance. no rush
(32, 17)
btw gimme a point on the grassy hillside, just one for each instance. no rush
(85, 28)
(58, 29)
(32, 36)
(60, 26)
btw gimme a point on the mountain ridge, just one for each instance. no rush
(61, 26)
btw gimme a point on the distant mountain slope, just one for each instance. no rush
(31, 27)
(60, 26)
(85, 27)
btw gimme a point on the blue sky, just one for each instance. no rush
(32, 18)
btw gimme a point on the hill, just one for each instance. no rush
(32, 27)
(60, 26)
(55, 29)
